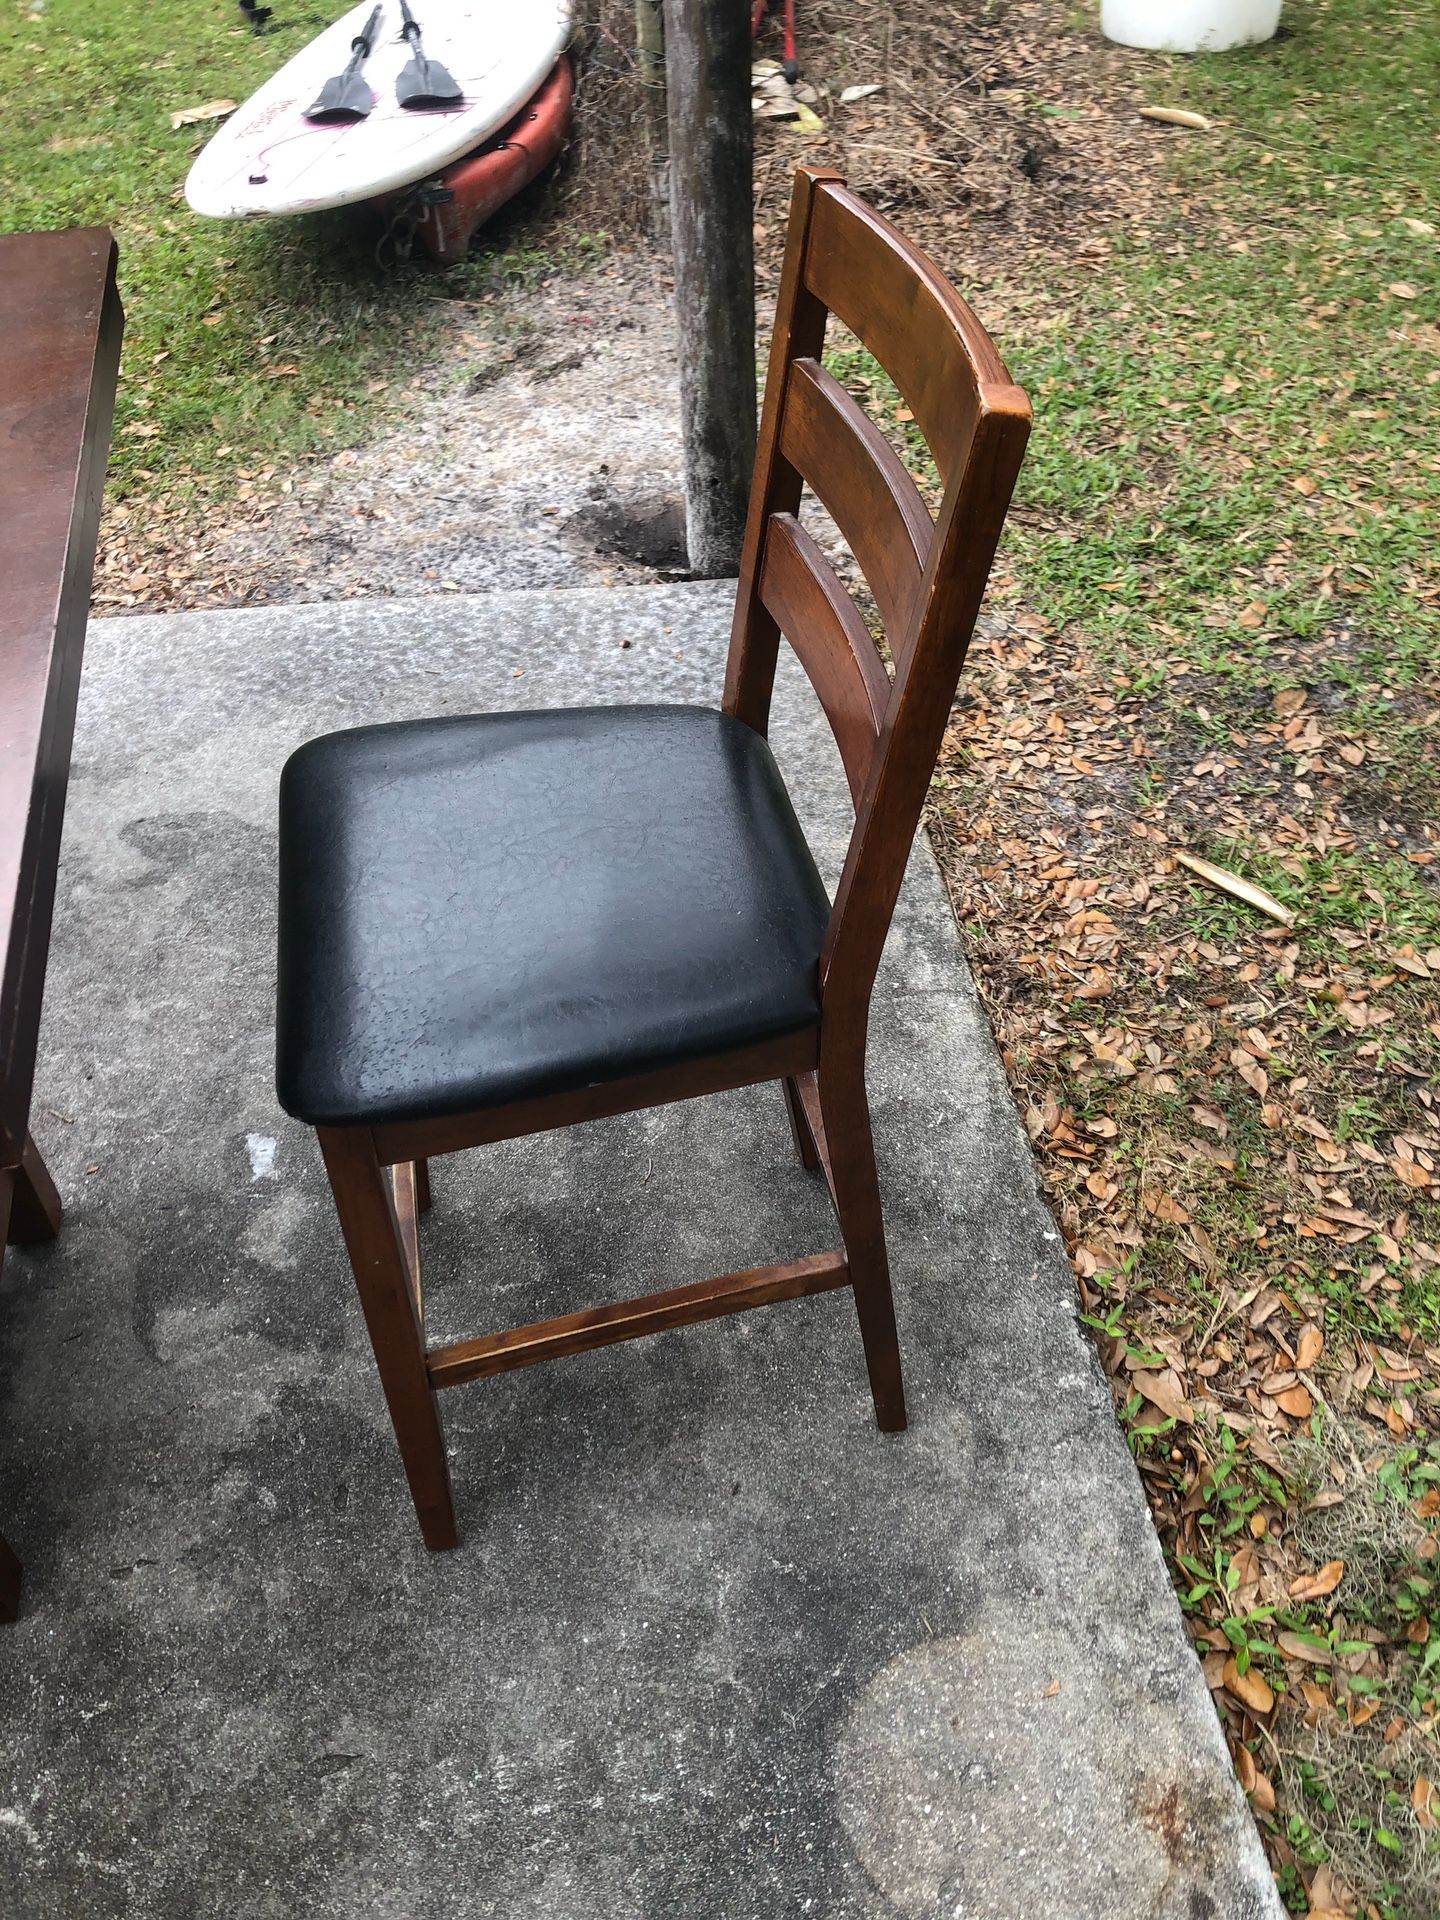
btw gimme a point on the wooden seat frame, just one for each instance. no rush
(927, 579)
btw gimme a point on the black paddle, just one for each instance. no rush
(423, 83)
(347, 97)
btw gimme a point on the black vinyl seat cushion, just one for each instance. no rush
(486, 909)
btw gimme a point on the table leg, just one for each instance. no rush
(34, 1204)
(11, 1572)
(29, 1212)
(11, 1575)
(10, 1569)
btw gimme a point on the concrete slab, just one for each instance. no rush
(711, 1646)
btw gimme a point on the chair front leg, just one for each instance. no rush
(845, 1113)
(363, 1200)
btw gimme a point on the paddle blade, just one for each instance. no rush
(345, 98)
(426, 85)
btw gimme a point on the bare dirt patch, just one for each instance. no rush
(538, 443)
(998, 131)
(539, 448)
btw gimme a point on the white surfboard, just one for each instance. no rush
(269, 159)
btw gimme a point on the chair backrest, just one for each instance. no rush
(927, 577)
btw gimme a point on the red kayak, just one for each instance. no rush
(447, 208)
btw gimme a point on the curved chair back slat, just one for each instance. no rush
(864, 486)
(799, 589)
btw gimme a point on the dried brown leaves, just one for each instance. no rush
(1192, 1102)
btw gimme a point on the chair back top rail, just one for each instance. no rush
(893, 298)
(60, 327)
(927, 577)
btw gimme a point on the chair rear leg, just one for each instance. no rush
(377, 1258)
(845, 1112)
(422, 1185)
(405, 1193)
(800, 1129)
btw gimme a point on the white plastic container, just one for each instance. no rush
(1189, 26)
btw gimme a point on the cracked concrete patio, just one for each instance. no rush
(711, 1646)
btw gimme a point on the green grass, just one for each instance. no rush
(1232, 494)
(245, 344)
(1255, 342)
(1233, 489)
(1260, 343)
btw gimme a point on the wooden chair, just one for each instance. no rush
(495, 925)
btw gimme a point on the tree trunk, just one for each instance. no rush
(707, 56)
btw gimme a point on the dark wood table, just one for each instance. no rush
(60, 328)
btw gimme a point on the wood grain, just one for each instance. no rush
(405, 1192)
(712, 219)
(801, 1131)
(863, 485)
(34, 1203)
(454, 1133)
(895, 299)
(799, 590)
(799, 332)
(60, 328)
(493, 1353)
(387, 1299)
